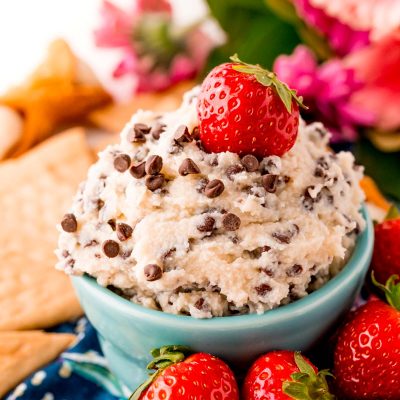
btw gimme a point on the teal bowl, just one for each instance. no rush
(127, 331)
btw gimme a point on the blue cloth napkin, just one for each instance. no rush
(80, 373)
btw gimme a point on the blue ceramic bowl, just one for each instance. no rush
(127, 331)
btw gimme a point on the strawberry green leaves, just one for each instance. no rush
(393, 213)
(391, 290)
(307, 384)
(268, 78)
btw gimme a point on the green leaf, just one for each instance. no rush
(296, 390)
(253, 31)
(393, 213)
(285, 96)
(303, 365)
(391, 290)
(382, 167)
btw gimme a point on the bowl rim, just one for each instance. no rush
(357, 263)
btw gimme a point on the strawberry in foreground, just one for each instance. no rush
(367, 354)
(198, 376)
(246, 109)
(386, 257)
(285, 375)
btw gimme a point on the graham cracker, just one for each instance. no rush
(21, 353)
(35, 191)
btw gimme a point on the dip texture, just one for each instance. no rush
(173, 228)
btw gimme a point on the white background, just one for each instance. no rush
(27, 26)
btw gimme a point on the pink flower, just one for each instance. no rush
(151, 51)
(327, 91)
(342, 38)
(379, 17)
(378, 66)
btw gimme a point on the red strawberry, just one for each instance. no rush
(199, 376)
(367, 354)
(386, 257)
(285, 375)
(246, 109)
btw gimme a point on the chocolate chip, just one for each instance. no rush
(112, 223)
(138, 171)
(65, 253)
(122, 162)
(263, 289)
(201, 304)
(231, 222)
(153, 165)
(296, 269)
(152, 272)
(308, 200)
(250, 163)
(327, 194)
(182, 135)
(69, 223)
(214, 161)
(214, 188)
(138, 132)
(187, 167)
(207, 225)
(267, 272)
(99, 204)
(124, 231)
(125, 253)
(256, 253)
(91, 243)
(111, 248)
(154, 182)
(157, 130)
(233, 170)
(283, 237)
(268, 166)
(196, 133)
(168, 254)
(201, 185)
(269, 182)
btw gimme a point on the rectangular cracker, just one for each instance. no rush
(35, 191)
(21, 353)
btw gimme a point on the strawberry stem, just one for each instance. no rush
(268, 78)
(391, 290)
(164, 357)
(393, 213)
(306, 384)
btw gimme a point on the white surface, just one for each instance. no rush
(27, 26)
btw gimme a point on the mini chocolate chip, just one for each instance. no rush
(91, 243)
(200, 145)
(207, 225)
(124, 231)
(168, 254)
(325, 192)
(214, 188)
(322, 131)
(154, 182)
(269, 182)
(267, 166)
(138, 132)
(69, 223)
(296, 269)
(282, 237)
(97, 255)
(201, 304)
(319, 172)
(233, 170)
(267, 272)
(214, 161)
(122, 162)
(323, 163)
(263, 289)
(152, 272)
(187, 167)
(157, 130)
(196, 133)
(112, 223)
(138, 171)
(250, 163)
(125, 253)
(256, 253)
(65, 253)
(111, 248)
(182, 135)
(153, 165)
(99, 204)
(231, 222)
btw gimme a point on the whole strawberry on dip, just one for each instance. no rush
(228, 205)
